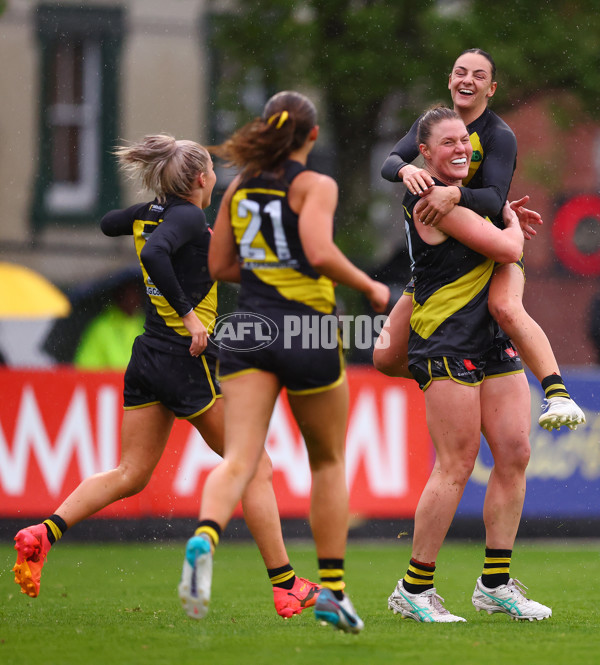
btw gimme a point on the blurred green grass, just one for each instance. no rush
(117, 604)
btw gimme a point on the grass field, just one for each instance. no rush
(117, 605)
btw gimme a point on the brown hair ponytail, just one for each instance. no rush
(266, 142)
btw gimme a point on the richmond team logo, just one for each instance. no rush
(244, 331)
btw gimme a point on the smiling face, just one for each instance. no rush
(471, 85)
(448, 151)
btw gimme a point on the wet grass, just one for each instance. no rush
(117, 604)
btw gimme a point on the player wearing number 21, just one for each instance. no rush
(274, 235)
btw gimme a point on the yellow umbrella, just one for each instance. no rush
(25, 294)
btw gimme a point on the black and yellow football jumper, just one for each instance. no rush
(485, 189)
(452, 333)
(450, 300)
(171, 241)
(278, 283)
(275, 270)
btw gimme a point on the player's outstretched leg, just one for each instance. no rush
(32, 545)
(196, 577)
(292, 601)
(509, 599)
(425, 607)
(561, 411)
(339, 613)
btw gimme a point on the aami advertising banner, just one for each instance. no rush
(59, 426)
(563, 476)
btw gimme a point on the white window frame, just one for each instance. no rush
(62, 197)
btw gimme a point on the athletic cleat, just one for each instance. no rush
(425, 607)
(292, 601)
(339, 613)
(509, 599)
(561, 411)
(32, 547)
(196, 577)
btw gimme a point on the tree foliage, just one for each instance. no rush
(354, 56)
(537, 46)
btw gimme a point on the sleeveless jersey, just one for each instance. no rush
(275, 272)
(450, 301)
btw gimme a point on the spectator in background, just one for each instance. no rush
(106, 342)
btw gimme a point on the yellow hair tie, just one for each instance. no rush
(283, 116)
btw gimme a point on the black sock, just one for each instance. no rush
(210, 529)
(554, 387)
(496, 568)
(331, 572)
(419, 576)
(283, 577)
(55, 528)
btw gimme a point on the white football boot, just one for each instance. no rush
(561, 411)
(425, 607)
(509, 599)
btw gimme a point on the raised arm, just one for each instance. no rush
(318, 196)
(120, 222)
